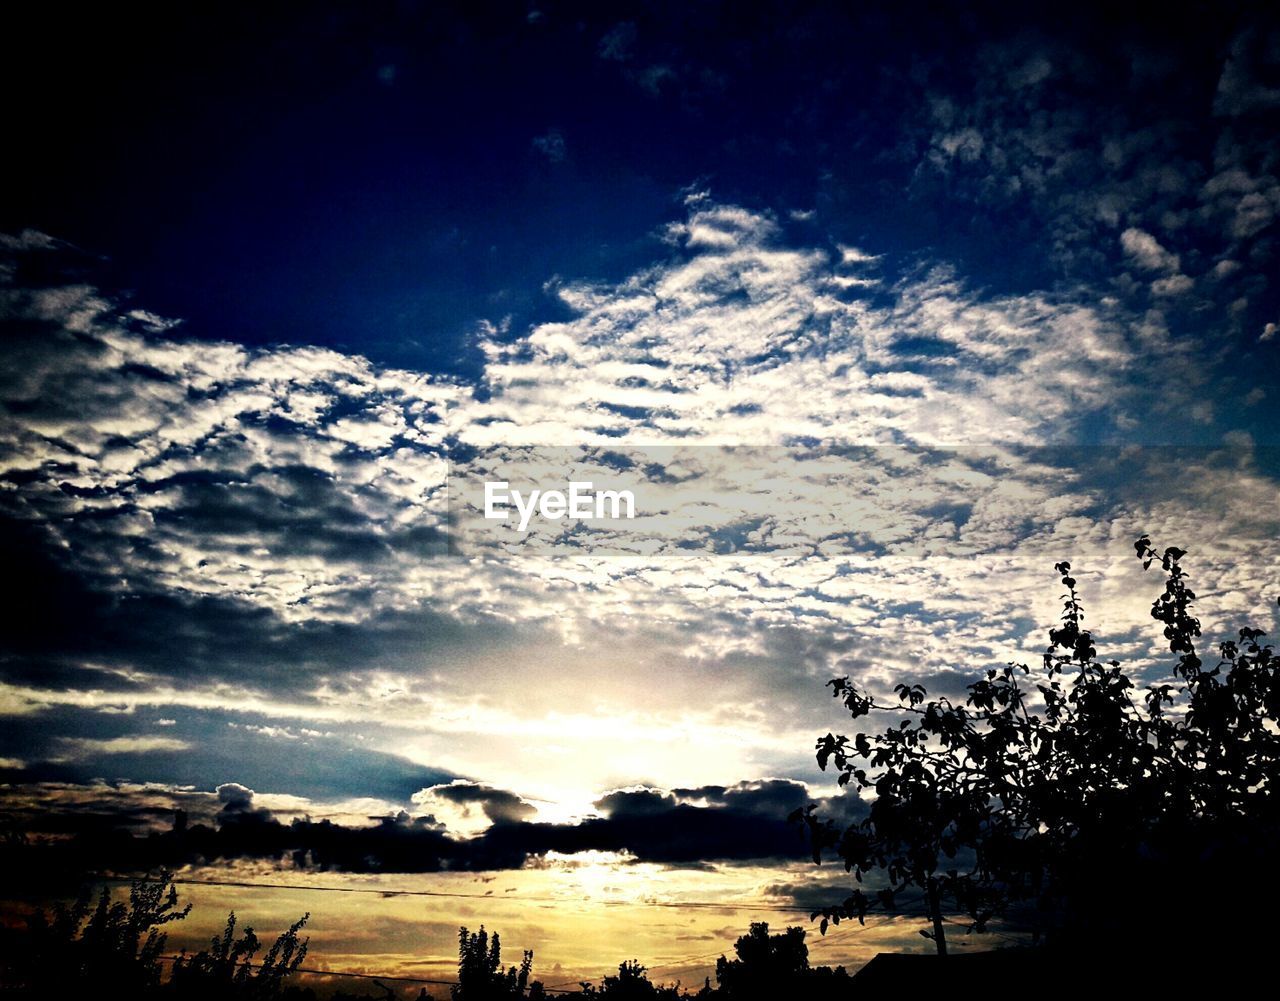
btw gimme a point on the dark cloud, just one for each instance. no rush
(745, 821)
(264, 753)
(741, 822)
(234, 797)
(635, 802)
(551, 145)
(237, 806)
(1250, 81)
(617, 42)
(499, 806)
(816, 894)
(765, 797)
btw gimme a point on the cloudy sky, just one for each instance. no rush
(888, 310)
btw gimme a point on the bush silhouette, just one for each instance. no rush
(631, 983)
(85, 944)
(227, 967)
(82, 948)
(1082, 810)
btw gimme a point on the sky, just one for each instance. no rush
(883, 309)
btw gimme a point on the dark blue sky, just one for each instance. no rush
(379, 177)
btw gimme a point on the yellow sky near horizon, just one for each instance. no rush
(580, 916)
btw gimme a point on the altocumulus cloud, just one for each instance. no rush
(260, 532)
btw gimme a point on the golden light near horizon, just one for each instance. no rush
(581, 915)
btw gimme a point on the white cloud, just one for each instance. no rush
(1145, 251)
(299, 483)
(857, 256)
(1173, 285)
(85, 746)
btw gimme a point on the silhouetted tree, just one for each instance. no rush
(1105, 815)
(767, 965)
(112, 942)
(81, 948)
(775, 966)
(227, 968)
(480, 973)
(632, 983)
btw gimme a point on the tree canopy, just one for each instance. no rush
(481, 976)
(1071, 803)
